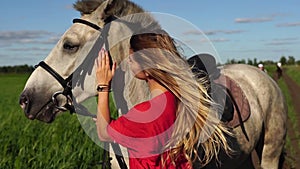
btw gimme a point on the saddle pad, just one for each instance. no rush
(240, 99)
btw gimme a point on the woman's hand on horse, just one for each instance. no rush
(104, 73)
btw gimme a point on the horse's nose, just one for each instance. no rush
(24, 103)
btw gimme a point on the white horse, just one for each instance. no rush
(67, 78)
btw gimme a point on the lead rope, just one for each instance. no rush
(116, 147)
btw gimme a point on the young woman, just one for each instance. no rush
(165, 131)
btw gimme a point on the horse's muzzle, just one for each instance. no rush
(40, 108)
(25, 105)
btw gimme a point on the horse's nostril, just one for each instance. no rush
(24, 102)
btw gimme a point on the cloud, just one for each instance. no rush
(212, 32)
(215, 40)
(283, 41)
(233, 31)
(24, 37)
(281, 51)
(253, 20)
(292, 24)
(12, 35)
(30, 49)
(280, 43)
(193, 32)
(267, 18)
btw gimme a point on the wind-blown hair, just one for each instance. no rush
(196, 122)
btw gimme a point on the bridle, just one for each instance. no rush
(66, 83)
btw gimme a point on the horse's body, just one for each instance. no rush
(266, 124)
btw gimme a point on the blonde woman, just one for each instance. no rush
(165, 131)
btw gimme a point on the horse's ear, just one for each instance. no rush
(110, 4)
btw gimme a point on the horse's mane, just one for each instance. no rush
(119, 8)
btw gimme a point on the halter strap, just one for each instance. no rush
(62, 81)
(67, 83)
(87, 23)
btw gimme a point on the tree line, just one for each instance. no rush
(290, 60)
(16, 69)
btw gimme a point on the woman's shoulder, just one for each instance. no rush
(153, 108)
(165, 97)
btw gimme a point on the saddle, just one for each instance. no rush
(236, 99)
(235, 108)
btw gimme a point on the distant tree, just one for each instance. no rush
(283, 60)
(298, 62)
(231, 61)
(250, 62)
(269, 62)
(255, 62)
(16, 69)
(291, 60)
(242, 61)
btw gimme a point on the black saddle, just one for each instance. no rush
(204, 65)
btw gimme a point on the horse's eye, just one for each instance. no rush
(70, 47)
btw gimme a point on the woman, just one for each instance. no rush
(165, 131)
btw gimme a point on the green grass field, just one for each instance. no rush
(33, 144)
(64, 143)
(294, 73)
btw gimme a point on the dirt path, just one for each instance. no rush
(294, 91)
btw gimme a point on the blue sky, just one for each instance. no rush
(262, 29)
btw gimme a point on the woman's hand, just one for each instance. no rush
(103, 77)
(104, 74)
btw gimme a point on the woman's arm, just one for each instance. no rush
(104, 75)
(103, 116)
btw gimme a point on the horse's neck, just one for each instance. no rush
(134, 90)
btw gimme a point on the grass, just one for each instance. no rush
(289, 147)
(33, 144)
(293, 72)
(64, 143)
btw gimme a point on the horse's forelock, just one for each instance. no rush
(118, 8)
(87, 6)
(122, 8)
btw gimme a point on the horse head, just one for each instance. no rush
(67, 74)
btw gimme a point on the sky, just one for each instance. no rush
(262, 29)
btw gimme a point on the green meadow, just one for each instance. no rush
(293, 116)
(63, 143)
(33, 144)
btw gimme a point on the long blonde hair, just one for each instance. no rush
(196, 122)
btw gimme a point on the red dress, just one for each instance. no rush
(145, 130)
